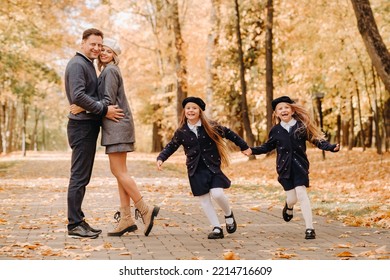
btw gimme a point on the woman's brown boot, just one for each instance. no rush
(126, 222)
(147, 214)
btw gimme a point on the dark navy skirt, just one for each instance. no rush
(298, 177)
(204, 179)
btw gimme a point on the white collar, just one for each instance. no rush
(193, 126)
(287, 125)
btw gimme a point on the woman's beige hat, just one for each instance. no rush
(112, 44)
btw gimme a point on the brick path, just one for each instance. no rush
(32, 223)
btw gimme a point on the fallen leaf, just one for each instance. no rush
(255, 208)
(125, 254)
(282, 255)
(29, 227)
(309, 248)
(343, 245)
(230, 256)
(345, 254)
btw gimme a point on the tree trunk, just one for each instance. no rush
(160, 26)
(338, 132)
(346, 132)
(269, 86)
(386, 117)
(34, 136)
(43, 147)
(157, 139)
(244, 106)
(3, 140)
(181, 59)
(24, 129)
(362, 136)
(369, 132)
(376, 49)
(12, 140)
(375, 111)
(212, 42)
(351, 140)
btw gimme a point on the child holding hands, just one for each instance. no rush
(205, 151)
(293, 127)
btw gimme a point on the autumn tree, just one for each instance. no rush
(315, 53)
(156, 16)
(180, 58)
(244, 104)
(237, 73)
(376, 49)
(269, 85)
(25, 65)
(212, 43)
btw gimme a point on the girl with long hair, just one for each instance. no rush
(206, 152)
(293, 127)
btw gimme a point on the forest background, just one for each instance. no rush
(235, 54)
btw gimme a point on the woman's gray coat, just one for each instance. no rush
(111, 86)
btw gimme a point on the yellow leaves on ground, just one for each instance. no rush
(32, 250)
(230, 256)
(281, 253)
(29, 227)
(348, 245)
(256, 208)
(379, 253)
(345, 254)
(104, 246)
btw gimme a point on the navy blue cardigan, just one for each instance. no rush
(201, 146)
(291, 148)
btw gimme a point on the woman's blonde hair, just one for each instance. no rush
(101, 65)
(309, 125)
(212, 128)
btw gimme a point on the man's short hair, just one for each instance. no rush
(92, 31)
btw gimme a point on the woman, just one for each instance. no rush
(118, 138)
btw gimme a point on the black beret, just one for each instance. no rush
(278, 100)
(195, 100)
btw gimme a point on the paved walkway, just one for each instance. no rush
(33, 217)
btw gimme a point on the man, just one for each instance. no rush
(81, 85)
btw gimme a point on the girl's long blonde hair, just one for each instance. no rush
(212, 128)
(309, 126)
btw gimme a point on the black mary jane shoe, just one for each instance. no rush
(231, 228)
(215, 234)
(310, 234)
(287, 217)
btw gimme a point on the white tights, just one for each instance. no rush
(300, 194)
(221, 199)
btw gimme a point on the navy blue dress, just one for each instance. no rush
(292, 164)
(203, 160)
